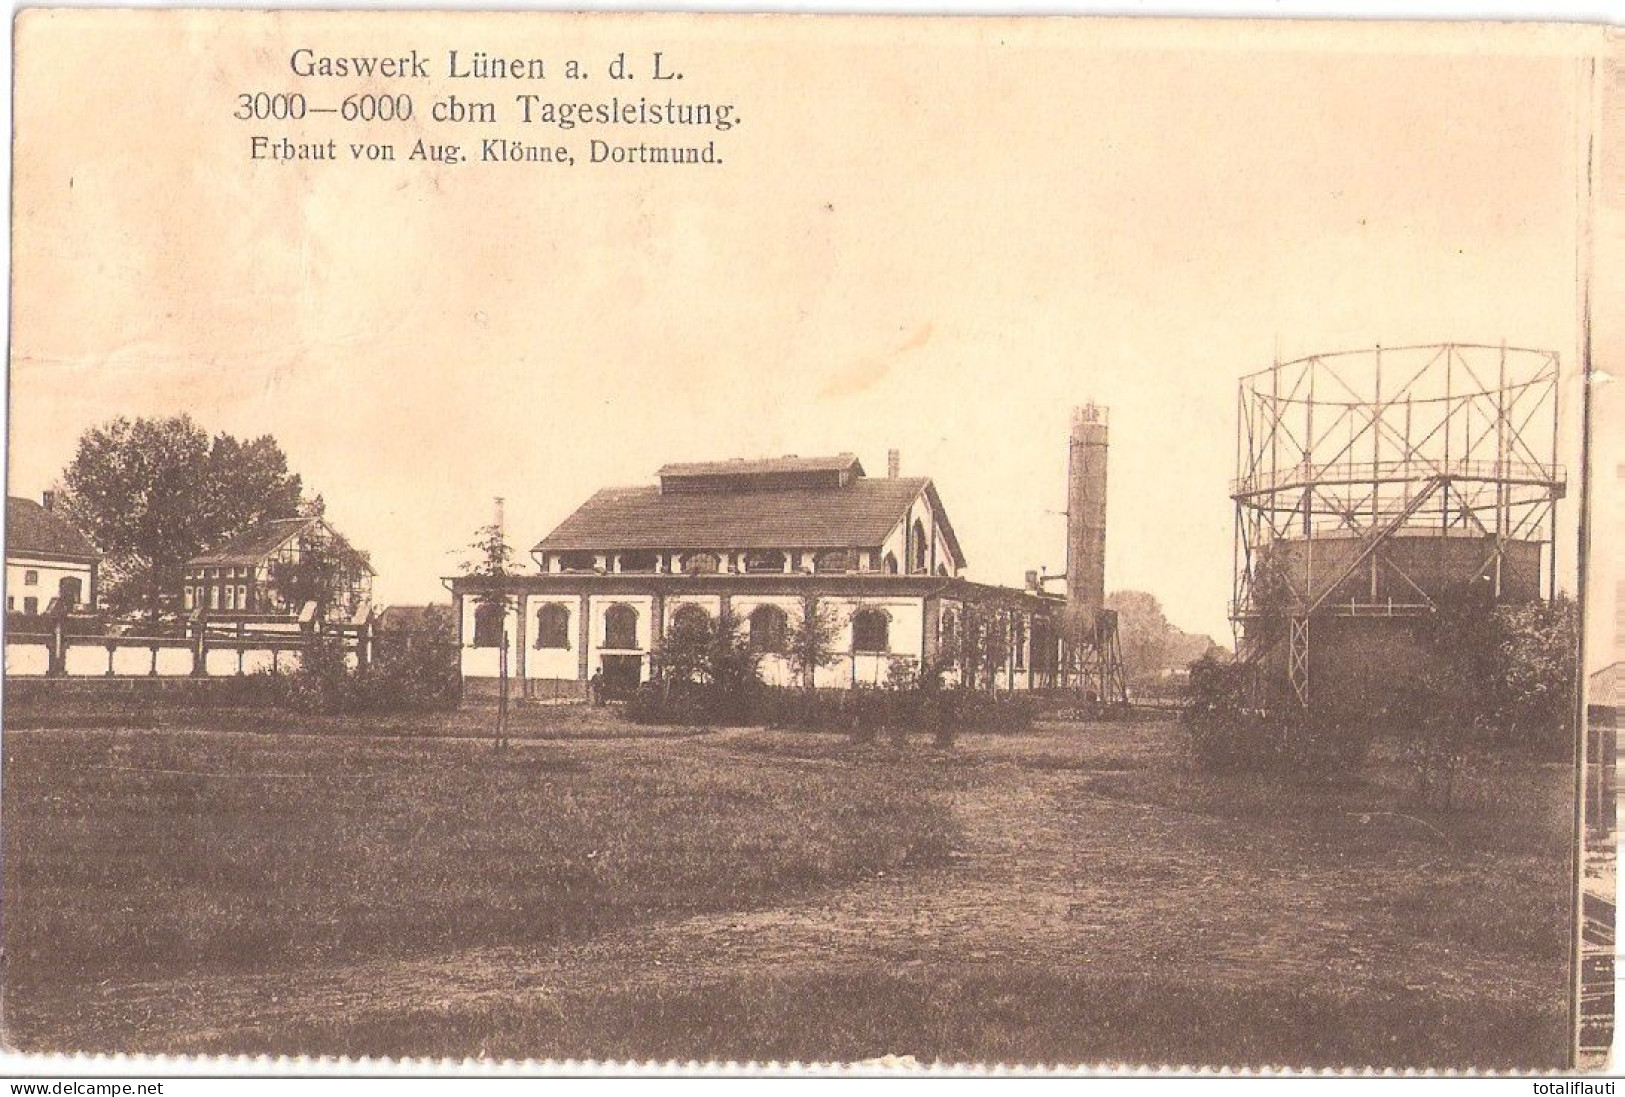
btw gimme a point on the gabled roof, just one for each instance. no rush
(414, 618)
(257, 542)
(842, 462)
(31, 530)
(859, 515)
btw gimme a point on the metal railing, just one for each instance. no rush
(1307, 474)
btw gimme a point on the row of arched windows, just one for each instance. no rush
(768, 626)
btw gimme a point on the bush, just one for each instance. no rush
(422, 679)
(1298, 743)
(1226, 734)
(697, 704)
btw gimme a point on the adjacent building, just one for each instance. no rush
(50, 565)
(280, 567)
(759, 541)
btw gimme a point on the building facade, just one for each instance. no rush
(50, 565)
(276, 568)
(762, 543)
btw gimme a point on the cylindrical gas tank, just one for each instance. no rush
(1086, 512)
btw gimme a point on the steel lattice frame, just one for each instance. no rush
(1448, 438)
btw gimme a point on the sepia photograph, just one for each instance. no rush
(907, 542)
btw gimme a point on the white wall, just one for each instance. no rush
(89, 660)
(485, 662)
(776, 670)
(553, 662)
(51, 574)
(936, 550)
(907, 618)
(26, 660)
(711, 603)
(600, 604)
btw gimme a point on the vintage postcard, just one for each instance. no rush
(1049, 542)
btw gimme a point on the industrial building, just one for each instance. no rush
(1375, 486)
(759, 541)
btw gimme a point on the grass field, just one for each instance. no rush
(1069, 894)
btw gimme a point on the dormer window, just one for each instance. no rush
(764, 560)
(833, 562)
(701, 563)
(577, 561)
(638, 561)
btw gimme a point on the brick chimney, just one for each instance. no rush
(48, 500)
(894, 463)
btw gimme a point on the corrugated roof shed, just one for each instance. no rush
(841, 462)
(33, 530)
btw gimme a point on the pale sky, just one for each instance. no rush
(934, 236)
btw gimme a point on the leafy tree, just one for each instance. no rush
(968, 651)
(810, 643)
(733, 663)
(996, 645)
(152, 493)
(715, 652)
(1143, 630)
(493, 567)
(685, 649)
(1537, 650)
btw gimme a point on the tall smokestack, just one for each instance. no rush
(894, 463)
(1086, 513)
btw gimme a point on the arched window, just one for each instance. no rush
(918, 560)
(833, 561)
(769, 626)
(553, 626)
(621, 627)
(690, 618)
(764, 560)
(637, 561)
(889, 564)
(701, 563)
(871, 630)
(488, 625)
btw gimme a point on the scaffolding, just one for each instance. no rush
(1366, 447)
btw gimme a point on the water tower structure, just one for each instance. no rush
(1091, 655)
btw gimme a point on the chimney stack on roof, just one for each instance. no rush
(894, 463)
(48, 500)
